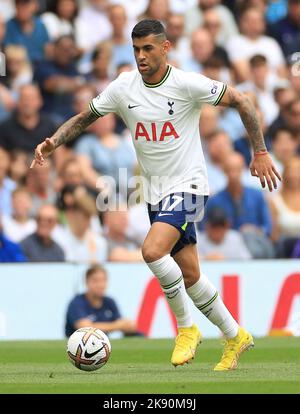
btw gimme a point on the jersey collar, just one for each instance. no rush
(155, 85)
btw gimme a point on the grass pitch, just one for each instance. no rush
(139, 365)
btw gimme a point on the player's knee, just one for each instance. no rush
(190, 279)
(151, 253)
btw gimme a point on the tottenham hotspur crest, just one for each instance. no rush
(171, 112)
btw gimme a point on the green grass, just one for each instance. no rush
(138, 365)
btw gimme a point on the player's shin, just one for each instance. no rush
(171, 280)
(208, 301)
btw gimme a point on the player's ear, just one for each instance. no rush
(166, 46)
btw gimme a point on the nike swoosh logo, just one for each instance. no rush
(165, 214)
(132, 106)
(174, 295)
(87, 355)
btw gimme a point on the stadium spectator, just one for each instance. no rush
(203, 48)
(70, 174)
(262, 83)
(93, 24)
(218, 148)
(209, 121)
(6, 99)
(287, 30)
(124, 67)
(93, 308)
(18, 167)
(81, 243)
(158, 10)
(288, 118)
(19, 225)
(214, 68)
(194, 17)
(122, 247)
(40, 246)
(284, 147)
(6, 184)
(18, 68)
(82, 96)
(10, 252)
(25, 128)
(104, 152)
(58, 79)
(218, 241)
(212, 22)
(60, 18)
(293, 117)
(99, 76)
(180, 44)
(245, 207)
(39, 182)
(284, 95)
(71, 187)
(119, 42)
(285, 209)
(252, 41)
(27, 30)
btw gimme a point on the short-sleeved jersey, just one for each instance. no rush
(164, 124)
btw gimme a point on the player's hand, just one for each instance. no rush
(42, 151)
(262, 167)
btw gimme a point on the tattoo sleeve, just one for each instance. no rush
(248, 115)
(73, 127)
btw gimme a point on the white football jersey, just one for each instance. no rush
(164, 124)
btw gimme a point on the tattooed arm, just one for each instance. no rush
(261, 165)
(65, 133)
(246, 109)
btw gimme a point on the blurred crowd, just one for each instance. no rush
(61, 53)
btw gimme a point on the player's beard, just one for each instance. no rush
(151, 70)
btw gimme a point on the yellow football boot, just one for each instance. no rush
(233, 349)
(186, 343)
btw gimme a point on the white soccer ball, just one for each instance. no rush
(88, 349)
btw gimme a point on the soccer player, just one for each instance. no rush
(161, 106)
